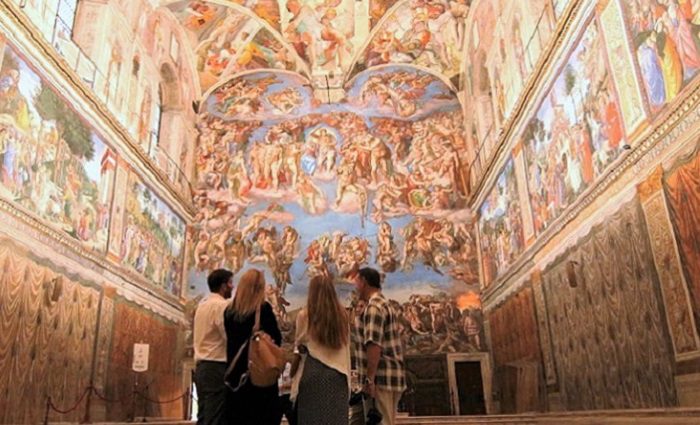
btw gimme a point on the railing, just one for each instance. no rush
(60, 37)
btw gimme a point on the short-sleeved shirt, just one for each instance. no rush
(378, 325)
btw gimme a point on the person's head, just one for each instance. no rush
(220, 281)
(250, 293)
(328, 320)
(367, 281)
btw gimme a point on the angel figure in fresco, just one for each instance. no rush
(290, 243)
(386, 249)
(314, 260)
(237, 178)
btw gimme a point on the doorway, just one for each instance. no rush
(470, 383)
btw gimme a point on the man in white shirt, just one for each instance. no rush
(210, 348)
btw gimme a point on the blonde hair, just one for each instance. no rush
(250, 293)
(328, 320)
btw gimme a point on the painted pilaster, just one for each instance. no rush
(668, 266)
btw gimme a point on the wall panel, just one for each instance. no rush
(162, 381)
(609, 335)
(48, 325)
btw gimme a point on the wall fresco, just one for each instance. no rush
(298, 187)
(428, 34)
(682, 189)
(505, 40)
(666, 44)
(153, 238)
(51, 162)
(42, 313)
(576, 133)
(501, 226)
(609, 335)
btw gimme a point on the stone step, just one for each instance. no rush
(680, 416)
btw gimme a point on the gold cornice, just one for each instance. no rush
(67, 73)
(546, 60)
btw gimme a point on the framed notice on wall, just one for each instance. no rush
(140, 363)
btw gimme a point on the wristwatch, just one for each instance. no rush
(369, 381)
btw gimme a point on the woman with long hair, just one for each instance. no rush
(321, 383)
(249, 404)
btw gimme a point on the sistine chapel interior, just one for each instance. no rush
(525, 175)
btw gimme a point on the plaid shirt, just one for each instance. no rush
(378, 325)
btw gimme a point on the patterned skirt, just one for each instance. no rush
(323, 395)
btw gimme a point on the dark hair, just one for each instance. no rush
(218, 278)
(370, 276)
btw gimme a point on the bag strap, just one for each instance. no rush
(256, 326)
(230, 368)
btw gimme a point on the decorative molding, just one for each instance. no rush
(61, 249)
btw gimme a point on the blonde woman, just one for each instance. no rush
(321, 383)
(249, 404)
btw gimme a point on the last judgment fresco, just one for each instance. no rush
(298, 187)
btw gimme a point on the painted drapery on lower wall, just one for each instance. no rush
(682, 188)
(609, 336)
(48, 325)
(162, 381)
(50, 346)
(516, 353)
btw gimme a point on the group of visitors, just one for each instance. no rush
(315, 386)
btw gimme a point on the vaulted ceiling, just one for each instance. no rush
(328, 42)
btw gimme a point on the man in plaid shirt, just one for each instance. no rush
(378, 346)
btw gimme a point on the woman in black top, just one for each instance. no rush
(249, 404)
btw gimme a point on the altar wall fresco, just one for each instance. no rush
(298, 187)
(55, 166)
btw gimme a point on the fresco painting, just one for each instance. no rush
(424, 33)
(504, 43)
(576, 133)
(322, 32)
(51, 162)
(153, 239)
(299, 188)
(501, 226)
(667, 45)
(263, 51)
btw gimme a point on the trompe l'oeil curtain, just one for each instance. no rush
(47, 332)
(682, 188)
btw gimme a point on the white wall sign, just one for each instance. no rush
(140, 363)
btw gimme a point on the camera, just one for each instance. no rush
(374, 416)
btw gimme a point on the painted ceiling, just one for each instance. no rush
(327, 41)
